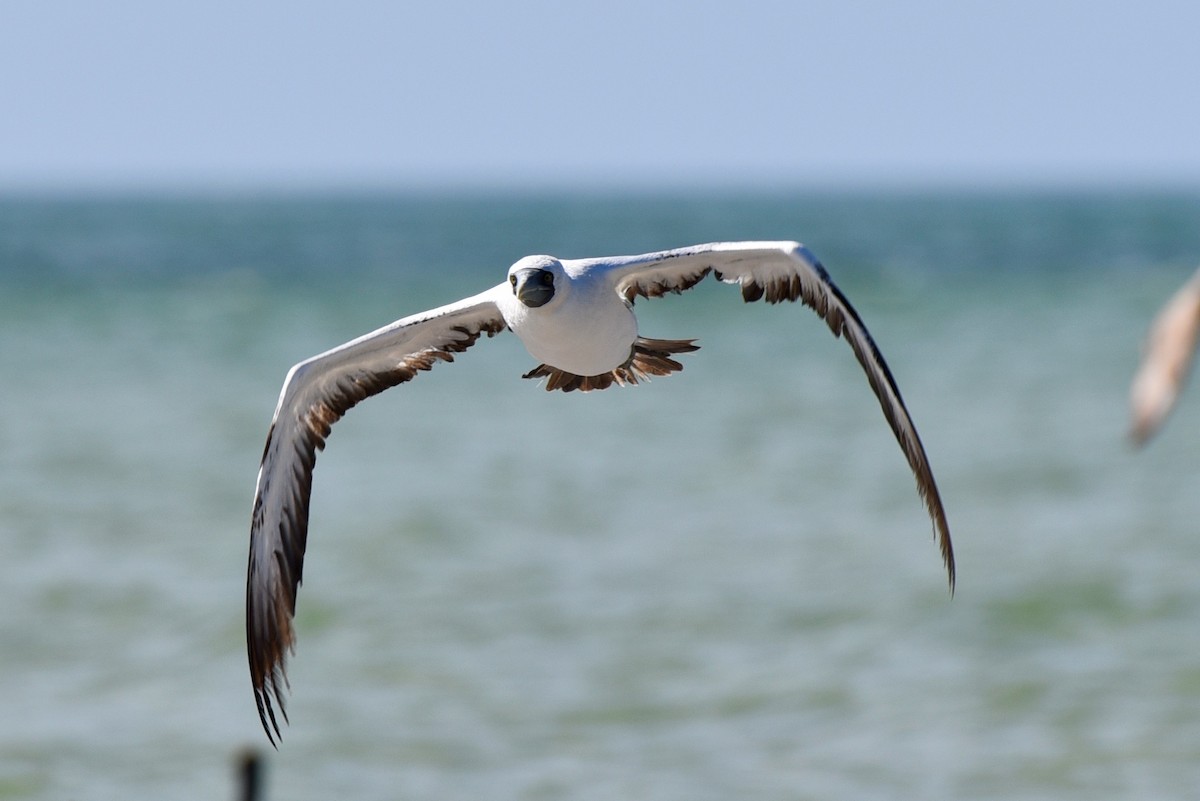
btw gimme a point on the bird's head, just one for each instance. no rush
(535, 280)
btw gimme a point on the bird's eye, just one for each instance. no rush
(547, 278)
(512, 279)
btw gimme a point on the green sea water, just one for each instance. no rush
(719, 585)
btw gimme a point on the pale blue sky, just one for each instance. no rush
(391, 93)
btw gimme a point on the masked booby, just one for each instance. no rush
(575, 316)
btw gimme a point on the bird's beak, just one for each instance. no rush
(533, 287)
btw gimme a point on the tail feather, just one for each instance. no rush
(647, 357)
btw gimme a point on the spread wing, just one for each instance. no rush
(1167, 359)
(315, 395)
(778, 271)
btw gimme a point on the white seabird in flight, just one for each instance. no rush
(576, 317)
(1167, 360)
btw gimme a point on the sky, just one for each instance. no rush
(387, 93)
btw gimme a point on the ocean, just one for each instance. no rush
(718, 585)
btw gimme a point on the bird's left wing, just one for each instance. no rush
(315, 395)
(1169, 351)
(778, 271)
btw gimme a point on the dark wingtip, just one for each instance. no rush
(941, 527)
(266, 715)
(948, 558)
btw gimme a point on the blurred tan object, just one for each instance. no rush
(1167, 357)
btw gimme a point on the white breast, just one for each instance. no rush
(588, 330)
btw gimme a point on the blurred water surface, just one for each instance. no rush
(719, 585)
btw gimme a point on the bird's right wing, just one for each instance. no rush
(316, 394)
(1170, 348)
